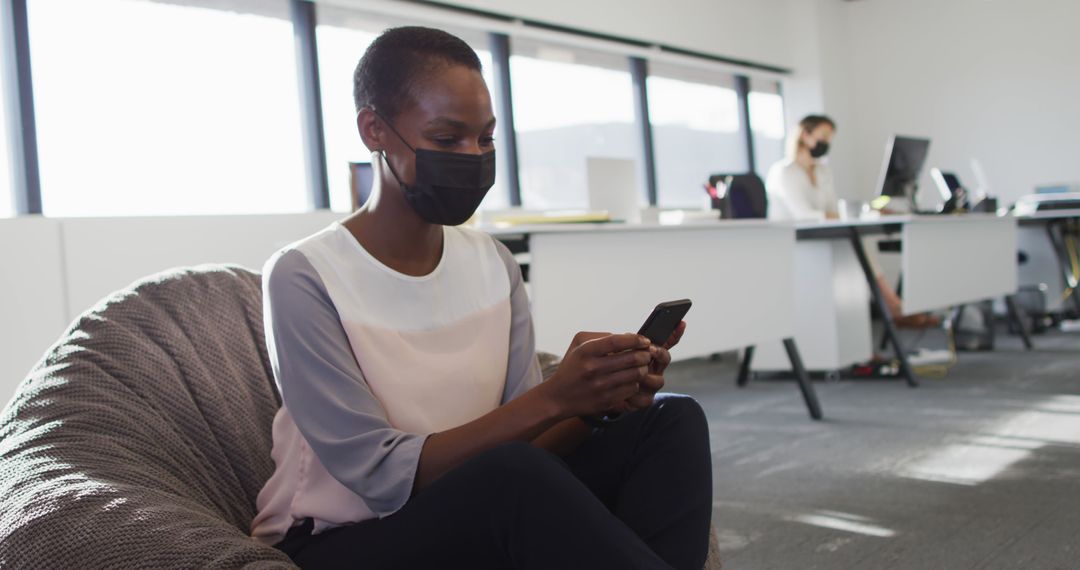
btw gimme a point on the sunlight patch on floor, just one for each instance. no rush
(985, 456)
(843, 521)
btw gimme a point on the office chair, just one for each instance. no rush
(744, 195)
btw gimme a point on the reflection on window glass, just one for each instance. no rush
(767, 120)
(343, 36)
(696, 132)
(568, 106)
(155, 108)
(7, 188)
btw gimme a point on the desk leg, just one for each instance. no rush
(886, 316)
(744, 367)
(1062, 254)
(805, 386)
(1014, 316)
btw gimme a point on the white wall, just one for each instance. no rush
(33, 302)
(57, 268)
(817, 37)
(997, 80)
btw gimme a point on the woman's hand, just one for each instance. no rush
(599, 373)
(654, 381)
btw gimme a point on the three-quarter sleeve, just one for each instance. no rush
(324, 390)
(523, 369)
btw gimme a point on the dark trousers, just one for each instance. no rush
(635, 494)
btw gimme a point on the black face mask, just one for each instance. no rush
(820, 149)
(449, 186)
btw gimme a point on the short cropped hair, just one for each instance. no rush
(397, 62)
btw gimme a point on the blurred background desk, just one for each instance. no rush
(608, 277)
(946, 260)
(1047, 242)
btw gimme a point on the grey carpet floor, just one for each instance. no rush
(979, 469)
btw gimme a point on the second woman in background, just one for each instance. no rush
(801, 187)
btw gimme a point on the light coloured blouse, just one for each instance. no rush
(370, 362)
(793, 197)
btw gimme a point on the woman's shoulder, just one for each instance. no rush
(475, 241)
(782, 175)
(483, 249)
(783, 166)
(295, 257)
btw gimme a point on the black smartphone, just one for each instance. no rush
(663, 320)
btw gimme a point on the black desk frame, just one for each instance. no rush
(802, 377)
(854, 234)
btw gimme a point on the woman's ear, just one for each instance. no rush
(371, 131)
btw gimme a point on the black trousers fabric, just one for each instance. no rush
(635, 494)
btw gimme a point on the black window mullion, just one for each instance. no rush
(742, 91)
(508, 155)
(639, 73)
(311, 117)
(22, 133)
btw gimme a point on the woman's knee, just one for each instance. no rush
(681, 408)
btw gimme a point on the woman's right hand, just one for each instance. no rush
(599, 373)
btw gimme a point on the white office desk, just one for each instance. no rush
(946, 260)
(951, 260)
(1048, 261)
(608, 277)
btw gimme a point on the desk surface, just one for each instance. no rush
(884, 224)
(694, 224)
(806, 229)
(1047, 215)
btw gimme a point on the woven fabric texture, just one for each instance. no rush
(142, 438)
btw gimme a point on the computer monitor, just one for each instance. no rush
(904, 158)
(361, 180)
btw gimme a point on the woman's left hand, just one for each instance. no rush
(654, 381)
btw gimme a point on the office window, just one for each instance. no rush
(7, 187)
(569, 105)
(342, 36)
(767, 120)
(167, 107)
(696, 132)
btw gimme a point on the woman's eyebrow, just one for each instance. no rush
(444, 122)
